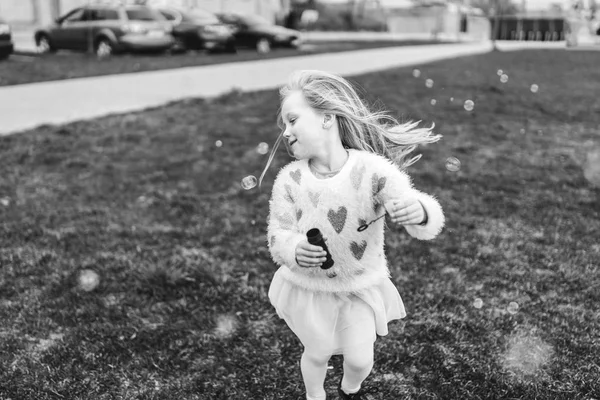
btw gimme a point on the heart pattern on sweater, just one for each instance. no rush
(272, 240)
(338, 219)
(314, 197)
(296, 176)
(377, 184)
(288, 193)
(298, 214)
(358, 250)
(356, 175)
(285, 220)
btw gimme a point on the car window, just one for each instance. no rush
(143, 14)
(76, 15)
(252, 20)
(229, 19)
(107, 15)
(170, 15)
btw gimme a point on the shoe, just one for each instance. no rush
(362, 394)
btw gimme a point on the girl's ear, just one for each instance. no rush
(328, 120)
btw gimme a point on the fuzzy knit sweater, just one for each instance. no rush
(338, 206)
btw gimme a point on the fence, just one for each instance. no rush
(538, 29)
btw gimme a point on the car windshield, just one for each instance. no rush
(143, 14)
(252, 19)
(200, 16)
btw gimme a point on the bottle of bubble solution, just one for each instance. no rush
(315, 238)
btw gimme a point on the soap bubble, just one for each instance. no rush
(534, 88)
(451, 98)
(433, 102)
(429, 83)
(522, 131)
(469, 105)
(500, 72)
(526, 354)
(219, 143)
(513, 307)
(504, 78)
(478, 303)
(5, 201)
(452, 164)
(262, 148)
(416, 73)
(249, 182)
(226, 326)
(88, 280)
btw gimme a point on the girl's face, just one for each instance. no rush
(304, 130)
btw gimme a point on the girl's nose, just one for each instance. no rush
(286, 133)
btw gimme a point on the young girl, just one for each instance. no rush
(347, 176)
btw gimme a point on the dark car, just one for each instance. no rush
(6, 43)
(253, 31)
(197, 29)
(107, 29)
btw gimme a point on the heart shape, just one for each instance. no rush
(377, 184)
(272, 240)
(298, 214)
(358, 250)
(288, 193)
(285, 220)
(338, 219)
(356, 175)
(314, 197)
(296, 176)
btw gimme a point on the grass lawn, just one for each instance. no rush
(502, 305)
(24, 68)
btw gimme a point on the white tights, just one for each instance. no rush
(358, 363)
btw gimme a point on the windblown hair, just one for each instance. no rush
(359, 127)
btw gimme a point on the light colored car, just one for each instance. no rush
(107, 29)
(6, 43)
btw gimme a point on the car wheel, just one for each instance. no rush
(104, 48)
(263, 46)
(179, 46)
(43, 45)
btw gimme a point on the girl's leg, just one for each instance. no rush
(314, 369)
(358, 363)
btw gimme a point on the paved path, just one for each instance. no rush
(26, 106)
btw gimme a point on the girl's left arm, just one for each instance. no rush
(395, 184)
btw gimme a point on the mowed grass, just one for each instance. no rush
(31, 68)
(149, 202)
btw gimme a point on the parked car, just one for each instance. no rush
(256, 32)
(197, 29)
(6, 43)
(107, 29)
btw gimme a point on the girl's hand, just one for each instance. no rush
(309, 256)
(406, 211)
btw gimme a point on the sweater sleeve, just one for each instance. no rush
(282, 231)
(391, 183)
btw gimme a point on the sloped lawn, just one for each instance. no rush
(502, 305)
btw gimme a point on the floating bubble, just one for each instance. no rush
(522, 131)
(219, 143)
(513, 307)
(469, 105)
(451, 98)
(88, 280)
(534, 88)
(5, 201)
(591, 167)
(433, 102)
(262, 148)
(504, 78)
(416, 73)
(452, 164)
(500, 72)
(478, 303)
(249, 182)
(526, 354)
(429, 83)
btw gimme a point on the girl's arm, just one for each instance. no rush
(282, 232)
(393, 184)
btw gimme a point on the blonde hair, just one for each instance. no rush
(359, 127)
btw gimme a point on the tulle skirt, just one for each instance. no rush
(331, 322)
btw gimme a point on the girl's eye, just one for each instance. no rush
(292, 120)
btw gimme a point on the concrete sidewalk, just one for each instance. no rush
(26, 106)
